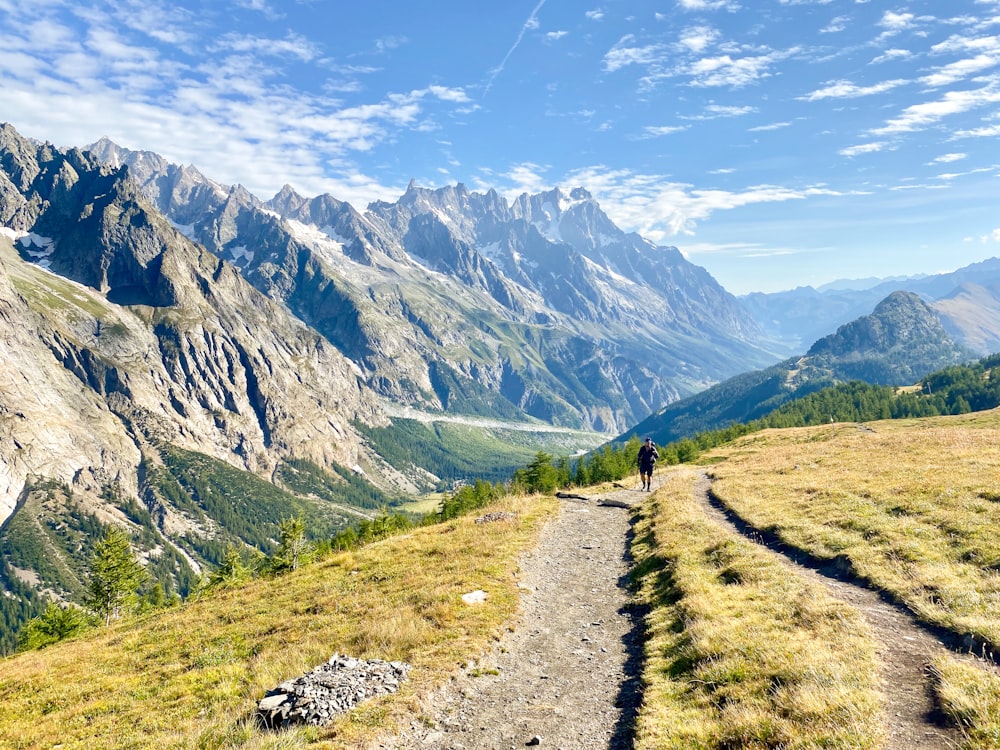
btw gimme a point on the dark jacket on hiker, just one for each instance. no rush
(647, 458)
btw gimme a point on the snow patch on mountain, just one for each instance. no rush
(39, 249)
(550, 227)
(324, 241)
(240, 253)
(186, 229)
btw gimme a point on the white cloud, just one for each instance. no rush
(293, 45)
(919, 116)
(959, 70)
(835, 26)
(864, 148)
(894, 23)
(698, 38)
(623, 54)
(848, 90)
(993, 236)
(988, 131)
(697, 5)
(556, 35)
(948, 158)
(716, 111)
(892, 54)
(724, 70)
(659, 208)
(594, 15)
(771, 126)
(652, 131)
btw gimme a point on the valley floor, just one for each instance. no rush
(567, 675)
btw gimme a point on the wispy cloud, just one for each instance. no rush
(892, 55)
(987, 131)
(947, 158)
(530, 24)
(771, 126)
(848, 90)
(725, 70)
(660, 208)
(835, 26)
(625, 53)
(697, 39)
(292, 45)
(864, 148)
(717, 111)
(701, 5)
(919, 116)
(653, 131)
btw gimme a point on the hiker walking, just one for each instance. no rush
(647, 460)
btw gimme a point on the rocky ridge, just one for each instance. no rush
(463, 301)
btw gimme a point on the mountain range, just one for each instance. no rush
(459, 301)
(198, 364)
(967, 301)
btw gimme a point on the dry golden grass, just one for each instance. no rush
(741, 652)
(914, 505)
(970, 698)
(191, 677)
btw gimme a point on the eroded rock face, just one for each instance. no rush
(319, 696)
(117, 333)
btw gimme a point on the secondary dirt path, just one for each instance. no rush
(566, 676)
(904, 648)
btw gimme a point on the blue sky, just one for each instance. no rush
(777, 143)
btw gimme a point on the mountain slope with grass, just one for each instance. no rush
(740, 650)
(901, 341)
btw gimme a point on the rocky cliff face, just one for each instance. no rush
(120, 335)
(455, 300)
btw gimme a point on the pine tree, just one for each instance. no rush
(115, 576)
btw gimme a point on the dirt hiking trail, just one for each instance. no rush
(567, 675)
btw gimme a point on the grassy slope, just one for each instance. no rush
(912, 505)
(191, 676)
(740, 653)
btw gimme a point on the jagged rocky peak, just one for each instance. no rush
(902, 321)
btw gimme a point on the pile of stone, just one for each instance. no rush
(500, 515)
(318, 697)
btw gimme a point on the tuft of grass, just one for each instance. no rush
(740, 652)
(191, 676)
(970, 697)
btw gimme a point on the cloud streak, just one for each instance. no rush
(531, 23)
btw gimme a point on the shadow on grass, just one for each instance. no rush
(629, 697)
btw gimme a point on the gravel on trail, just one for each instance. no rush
(567, 673)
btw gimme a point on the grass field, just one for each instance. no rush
(742, 653)
(913, 506)
(190, 677)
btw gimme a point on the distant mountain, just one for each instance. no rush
(967, 300)
(901, 341)
(464, 302)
